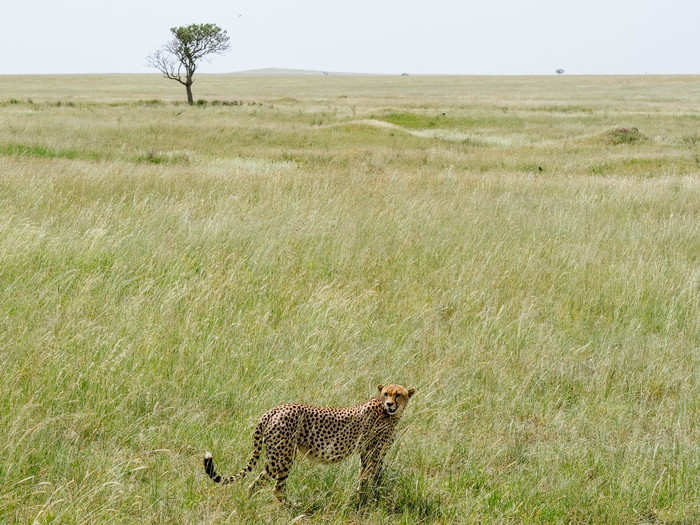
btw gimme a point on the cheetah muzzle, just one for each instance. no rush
(325, 434)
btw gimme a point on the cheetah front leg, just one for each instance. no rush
(370, 473)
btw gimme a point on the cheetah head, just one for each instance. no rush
(394, 398)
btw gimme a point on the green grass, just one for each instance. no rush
(55, 153)
(441, 120)
(152, 308)
(42, 151)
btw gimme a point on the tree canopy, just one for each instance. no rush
(179, 58)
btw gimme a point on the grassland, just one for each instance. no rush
(167, 273)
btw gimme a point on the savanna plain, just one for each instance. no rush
(524, 251)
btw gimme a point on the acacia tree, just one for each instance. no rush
(178, 59)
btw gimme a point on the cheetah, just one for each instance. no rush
(324, 434)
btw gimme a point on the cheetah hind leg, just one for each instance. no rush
(280, 485)
(280, 477)
(280, 471)
(259, 481)
(276, 469)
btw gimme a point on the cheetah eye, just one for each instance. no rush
(385, 394)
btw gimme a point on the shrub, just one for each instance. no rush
(618, 136)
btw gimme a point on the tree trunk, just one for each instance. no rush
(190, 100)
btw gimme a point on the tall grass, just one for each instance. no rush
(152, 311)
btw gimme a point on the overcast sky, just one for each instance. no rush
(372, 36)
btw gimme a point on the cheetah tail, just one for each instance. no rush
(257, 448)
(209, 469)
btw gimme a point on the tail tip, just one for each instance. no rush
(207, 455)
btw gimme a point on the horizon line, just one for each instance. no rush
(279, 71)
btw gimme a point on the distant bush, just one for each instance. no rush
(561, 108)
(690, 140)
(153, 157)
(202, 102)
(13, 101)
(292, 100)
(618, 136)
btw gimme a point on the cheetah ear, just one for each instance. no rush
(380, 387)
(411, 391)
